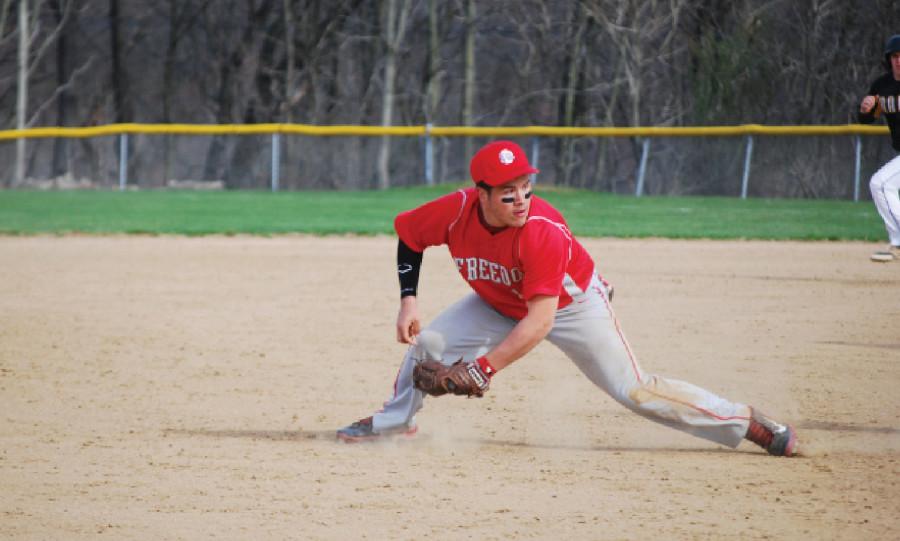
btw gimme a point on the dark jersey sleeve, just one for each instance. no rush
(868, 118)
(888, 91)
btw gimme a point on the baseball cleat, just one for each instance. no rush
(886, 256)
(362, 431)
(774, 437)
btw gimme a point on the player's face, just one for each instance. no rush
(507, 205)
(895, 65)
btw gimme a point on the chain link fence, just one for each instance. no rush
(629, 161)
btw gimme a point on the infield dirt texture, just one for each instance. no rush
(189, 388)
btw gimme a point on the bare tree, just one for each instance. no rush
(118, 74)
(32, 33)
(395, 28)
(290, 59)
(435, 66)
(468, 108)
(22, 102)
(63, 102)
(181, 17)
(504, 62)
(573, 81)
(234, 84)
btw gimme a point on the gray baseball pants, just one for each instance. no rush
(588, 333)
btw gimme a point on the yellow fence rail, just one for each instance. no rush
(275, 130)
(439, 131)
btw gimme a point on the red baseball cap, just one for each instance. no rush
(499, 162)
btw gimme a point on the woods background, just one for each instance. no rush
(448, 62)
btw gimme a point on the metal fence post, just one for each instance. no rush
(642, 169)
(123, 161)
(535, 151)
(276, 160)
(429, 156)
(747, 155)
(856, 168)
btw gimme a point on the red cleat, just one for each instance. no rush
(774, 437)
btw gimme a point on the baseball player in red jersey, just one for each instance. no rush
(884, 99)
(531, 280)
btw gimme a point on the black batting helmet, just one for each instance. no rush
(891, 46)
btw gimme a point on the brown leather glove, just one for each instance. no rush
(463, 379)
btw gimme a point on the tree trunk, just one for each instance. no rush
(117, 72)
(216, 166)
(215, 154)
(289, 53)
(394, 35)
(117, 76)
(469, 96)
(434, 63)
(609, 121)
(61, 144)
(22, 90)
(571, 84)
(168, 88)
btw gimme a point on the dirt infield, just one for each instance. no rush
(188, 388)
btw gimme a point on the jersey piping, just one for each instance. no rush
(561, 227)
(462, 207)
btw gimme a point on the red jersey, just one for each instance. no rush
(509, 267)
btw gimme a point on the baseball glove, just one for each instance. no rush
(463, 379)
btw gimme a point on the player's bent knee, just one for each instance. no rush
(642, 397)
(625, 395)
(430, 345)
(892, 182)
(876, 182)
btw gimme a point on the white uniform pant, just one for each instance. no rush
(885, 185)
(588, 333)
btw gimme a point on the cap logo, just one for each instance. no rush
(507, 156)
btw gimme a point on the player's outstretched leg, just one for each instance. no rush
(589, 334)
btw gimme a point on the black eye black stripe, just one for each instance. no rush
(513, 199)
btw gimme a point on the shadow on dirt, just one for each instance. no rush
(329, 435)
(844, 427)
(272, 435)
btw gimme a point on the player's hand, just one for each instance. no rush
(867, 104)
(408, 324)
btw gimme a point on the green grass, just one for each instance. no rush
(589, 214)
